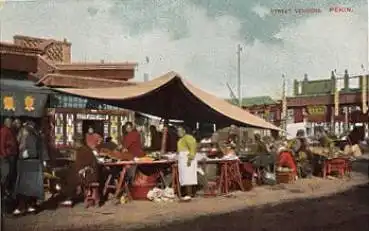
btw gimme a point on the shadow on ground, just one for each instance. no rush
(341, 212)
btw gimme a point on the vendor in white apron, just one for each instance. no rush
(187, 164)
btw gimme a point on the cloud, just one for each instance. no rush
(183, 37)
(261, 11)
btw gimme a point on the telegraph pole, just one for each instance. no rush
(239, 49)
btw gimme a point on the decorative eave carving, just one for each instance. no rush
(13, 48)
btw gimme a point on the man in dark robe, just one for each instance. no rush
(8, 155)
(84, 171)
(29, 184)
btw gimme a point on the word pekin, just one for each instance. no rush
(340, 9)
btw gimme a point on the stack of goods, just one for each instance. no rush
(210, 149)
(154, 155)
(353, 150)
(160, 195)
(145, 159)
(327, 152)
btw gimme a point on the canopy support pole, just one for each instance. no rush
(164, 138)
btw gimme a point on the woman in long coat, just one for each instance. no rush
(29, 184)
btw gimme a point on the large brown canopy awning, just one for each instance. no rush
(172, 97)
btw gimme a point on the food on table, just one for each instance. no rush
(145, 158)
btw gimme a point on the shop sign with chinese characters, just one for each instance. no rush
(316, 110)
(8, 103)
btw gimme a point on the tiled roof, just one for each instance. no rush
(250, 101)
(95, 66)
(60, 80)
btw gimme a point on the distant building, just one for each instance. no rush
(314, 102)
(264, 107)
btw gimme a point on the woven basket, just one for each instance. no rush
(284, 177)
(247, 184)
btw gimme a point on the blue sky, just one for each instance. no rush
(198, 38)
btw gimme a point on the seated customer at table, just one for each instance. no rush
(84, 170)
(286, 159)
(109, 144)
(92, 138)
(131, 141)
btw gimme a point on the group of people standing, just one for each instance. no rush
(22, 156)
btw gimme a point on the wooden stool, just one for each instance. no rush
(91, 193)
(116, 185)
(50, 182)
(108, 185)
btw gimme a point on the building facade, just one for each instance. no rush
(47, 62)
(265, 107)
(335, 104)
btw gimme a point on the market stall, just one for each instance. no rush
(327, 161)
(172, 97)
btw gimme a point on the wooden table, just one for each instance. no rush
(121, 184)
(229, 174)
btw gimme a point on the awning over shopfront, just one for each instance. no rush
(172, 97)
(22, 98)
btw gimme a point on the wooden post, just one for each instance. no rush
(164, 138)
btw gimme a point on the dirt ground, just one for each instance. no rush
(309, 204)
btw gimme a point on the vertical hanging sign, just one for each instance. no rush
(337, 102)
(284, 104)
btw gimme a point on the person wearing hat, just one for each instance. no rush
(300, 148)
(84, 171)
